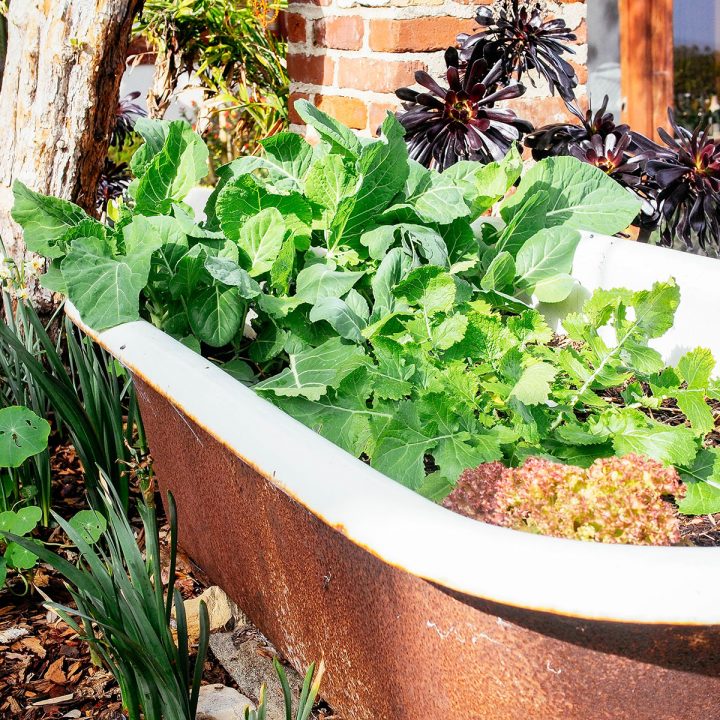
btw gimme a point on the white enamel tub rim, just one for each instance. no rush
(655, 585)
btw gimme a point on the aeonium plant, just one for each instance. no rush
(372, 299)
(463, 121)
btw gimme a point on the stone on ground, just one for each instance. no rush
(247, 657)
(218, 702)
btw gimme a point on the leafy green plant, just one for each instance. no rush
(377, 302)
(20, 523)
(123, 614)
(23, 435)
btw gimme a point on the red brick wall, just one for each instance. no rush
(349, 56)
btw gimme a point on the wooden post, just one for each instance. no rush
(647, 56)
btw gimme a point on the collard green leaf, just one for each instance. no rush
(173, 172)
(261, 238)
(105, 288)
(338, 135)
(345, 321)
(320, 281)
(702, 482)
(545, 255)
(500, 274)
(579, 196)
(312, 372)
(244, 198)
(555, 289)
(230, 273)
(154, 133)
(44, 220)
(442, 202)
(22, 435)
(216, 314)
(286, 158)
(330, 179)
(382, 169)
(281, 272)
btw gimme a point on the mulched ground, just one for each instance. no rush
(46, 672)
(45, 669)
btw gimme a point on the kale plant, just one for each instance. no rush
(374, 300)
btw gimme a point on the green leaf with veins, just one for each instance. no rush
(429, 287)
(244, 198)
(22, 435)
(696, 367)
(89, 524)
(545, 255)
(20, 522)
(696, 410)
(578, 196)
(331, 178)
(230, 273)
(320, 281)
(345, 321)
(261, 238)
(670, 445)
(173, 172)
(441, 202)
(382, 169)
(702, 483)
(44, 220)
(343, 417)
(105, 288)
(216, 314)
(313, 372)
(534, 385)
(340, 137)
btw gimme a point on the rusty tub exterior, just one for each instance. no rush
(421, 614)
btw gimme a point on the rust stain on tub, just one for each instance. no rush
(391, 640)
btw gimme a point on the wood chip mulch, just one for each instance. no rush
(46, 671)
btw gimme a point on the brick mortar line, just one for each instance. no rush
(367, 54)
(334, 91)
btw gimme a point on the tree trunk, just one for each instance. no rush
(65, 60)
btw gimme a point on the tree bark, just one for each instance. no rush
(65, 60)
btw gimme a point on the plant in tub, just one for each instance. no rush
(371, 299)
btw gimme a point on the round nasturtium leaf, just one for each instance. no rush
(21, 522)
(19, 558)
(22, 434)
(90, 524)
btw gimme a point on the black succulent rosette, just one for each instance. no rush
(114, 181)
(128, 111)
(461, 122)
(518, 35)
(558, 139)
(686, 175)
